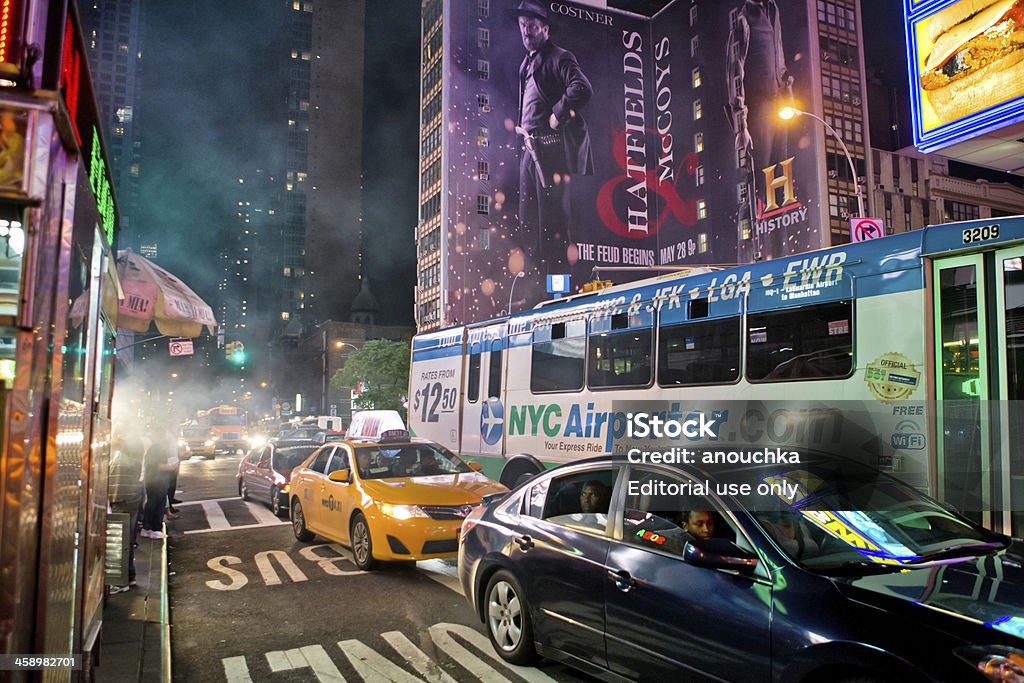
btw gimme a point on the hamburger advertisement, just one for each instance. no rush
(967, 67)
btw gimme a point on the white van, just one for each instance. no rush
(371, 424)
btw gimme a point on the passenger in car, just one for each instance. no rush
(789, 532)
(595, 497)
(699, 523)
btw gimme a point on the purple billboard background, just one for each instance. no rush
(641, 207)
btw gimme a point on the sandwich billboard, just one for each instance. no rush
(966, 64)
(578, 137)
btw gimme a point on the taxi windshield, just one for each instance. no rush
(406, 460)
(845, 518)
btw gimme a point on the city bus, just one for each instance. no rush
(226, 426)
(912, 324)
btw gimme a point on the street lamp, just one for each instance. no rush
(338, 344)
(786, 113)
(512, 289)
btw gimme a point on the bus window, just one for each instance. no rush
(473, 378)
(811, 342)
(494, 373)
(559, 357)
(707, 352)
(620, 359)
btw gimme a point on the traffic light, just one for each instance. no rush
(235, 352)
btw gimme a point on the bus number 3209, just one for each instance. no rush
(432, 397)
(981, 233)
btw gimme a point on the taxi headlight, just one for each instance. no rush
(208, 442)
(996, 662)
(402, 511)
(257, 441)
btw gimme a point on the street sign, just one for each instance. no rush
(181, 347)
(558, 283)
(864, 229)
(334, 410)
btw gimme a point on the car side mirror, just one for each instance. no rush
(341, 476)
(719, 553)
(475, 466)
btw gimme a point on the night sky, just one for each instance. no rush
(212, 99)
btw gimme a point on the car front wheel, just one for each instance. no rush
(362, 543)
(299, 523)
(243, 490)
(508, 619)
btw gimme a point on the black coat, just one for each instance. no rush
(566, 89)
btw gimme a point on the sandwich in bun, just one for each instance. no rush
(977, 57)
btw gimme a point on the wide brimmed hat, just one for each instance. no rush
(529, 8)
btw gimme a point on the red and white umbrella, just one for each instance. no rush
(153, 295)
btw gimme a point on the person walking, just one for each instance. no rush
(126, 489)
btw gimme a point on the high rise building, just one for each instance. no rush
(690, 163)
(113, 38)
(323, 183)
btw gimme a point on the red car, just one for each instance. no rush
(263, 473)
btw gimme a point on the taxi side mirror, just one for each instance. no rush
(475, 466)
(341, 476)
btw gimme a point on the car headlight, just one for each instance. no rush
(208, 442)
(995, 662)
(402, 511)
(182, 443)
(257, 441)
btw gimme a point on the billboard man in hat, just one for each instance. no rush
(759, 84)
(552, 91)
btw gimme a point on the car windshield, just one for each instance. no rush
(289, 457)
(194, 432)
(850, 518)
(406, 460)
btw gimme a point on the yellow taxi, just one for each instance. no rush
(397, 500)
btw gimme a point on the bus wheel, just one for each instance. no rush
(518, 470)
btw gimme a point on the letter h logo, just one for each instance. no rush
(784, 182)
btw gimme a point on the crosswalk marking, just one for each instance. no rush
(207, 500)
(263, 515)
(215, 517)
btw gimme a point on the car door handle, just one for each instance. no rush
(525, 542)
(623, 581)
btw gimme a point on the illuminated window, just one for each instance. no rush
(702, 242)
(483, 102)
(307, 7)
(698, 142)
(483, 204)
(697, 112)
(483, 170)
(482, 136)
(696, 78)
(483, 37)
(295, 53)
(296, 6)
(285, 315)
(483, 69)
(702, 209)
(305, 55)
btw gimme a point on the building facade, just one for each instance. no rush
(323, 184)
(667, 187)
(114, 42)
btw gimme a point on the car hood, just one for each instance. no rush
(442, 489)
(987, 589)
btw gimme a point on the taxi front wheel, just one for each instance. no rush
(299, 523)
(362, 543)
(508, 619)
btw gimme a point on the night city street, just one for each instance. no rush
(512, 341)
(238, 616)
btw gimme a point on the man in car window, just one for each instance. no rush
(700, 524)
(595, 497)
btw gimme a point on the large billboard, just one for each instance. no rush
(580, 137)
(966, 61)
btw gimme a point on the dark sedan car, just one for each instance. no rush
(639, 572)
(263, 474)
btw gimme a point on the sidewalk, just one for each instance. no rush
(136, 643)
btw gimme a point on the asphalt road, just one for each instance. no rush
(250, 603)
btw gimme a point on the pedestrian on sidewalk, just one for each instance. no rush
(158, 469)
(175, 461)
(125, 490)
